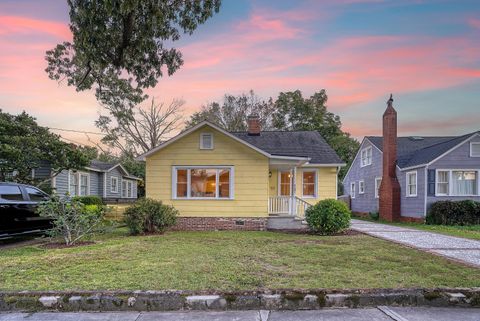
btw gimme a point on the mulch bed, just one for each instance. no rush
(65, 246)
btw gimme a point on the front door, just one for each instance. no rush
(285, 183)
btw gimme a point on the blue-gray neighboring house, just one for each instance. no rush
(428, 169)
(110, 181)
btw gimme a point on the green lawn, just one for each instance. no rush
(228, 261)
(470, 232)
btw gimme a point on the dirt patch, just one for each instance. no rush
(65, 246)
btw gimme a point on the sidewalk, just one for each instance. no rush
(455, 248)
(371, 314)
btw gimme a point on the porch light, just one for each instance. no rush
(269, 173)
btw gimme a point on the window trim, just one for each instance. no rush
(377, 186)
(115, 191)
(352, 189)
(127, 182)
(201, 141)
(407, 184)
(450, 186)
(471, 149)
(366, 150)
(361, 183)
(315, 186)
(78, 186)
(217, 193)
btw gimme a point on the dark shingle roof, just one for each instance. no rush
(102, 166)
(412, 151)
(293, 143)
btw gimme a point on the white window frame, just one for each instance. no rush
(378, 182)
(450, 185)
(352, 189)
(114, 178)
(217, 177)
(201, 140)
(407, 184)
(315, 186)
(361, 187)
(471, 149)
(127, 183)
(78, 175)
(366, 150)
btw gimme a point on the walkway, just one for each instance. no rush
(371, 314)
(455, 248)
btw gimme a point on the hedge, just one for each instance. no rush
(454, 213)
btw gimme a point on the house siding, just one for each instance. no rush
(61, 183)
(114, 173)
(412, 206)
(459, 158)
(364, 203)
(251, 181)
(94, 186)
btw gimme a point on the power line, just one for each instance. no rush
(76, 131)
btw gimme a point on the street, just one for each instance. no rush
(370, 314)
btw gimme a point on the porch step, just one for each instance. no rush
(285, 223)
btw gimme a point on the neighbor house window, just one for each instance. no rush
(412, 184)
(83, 184)
(378, 182)
(366, 156)
(352, 190)
(464, 183)
(203, 182)
(114, 184)
(475, 149)
(127, 189)
(309, 185)
(361, 187)
(206, 141)
(79, 184)
(285, 183)
(443, 185)
(457, 183)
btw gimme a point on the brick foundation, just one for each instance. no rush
(404, 219)
(221, 224)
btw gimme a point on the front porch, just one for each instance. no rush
(284, 197)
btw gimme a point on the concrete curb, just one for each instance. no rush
(291, 299)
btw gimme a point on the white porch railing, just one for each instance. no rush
(287, 205)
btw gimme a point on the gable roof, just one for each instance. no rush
(308, 144)
(413, 152)
(301, 145)
(100, 166)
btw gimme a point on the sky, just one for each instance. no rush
(427, 53)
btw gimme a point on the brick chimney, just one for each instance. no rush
(254, 127)
(390, 188)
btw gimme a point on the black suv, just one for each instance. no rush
(18, 203)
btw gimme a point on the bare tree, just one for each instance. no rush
(135, 131)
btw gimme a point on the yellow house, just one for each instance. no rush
(238, 180)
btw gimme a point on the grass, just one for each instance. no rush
(469, 232)
(228, 261)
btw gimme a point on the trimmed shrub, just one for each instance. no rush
(328, 217)
(89, 200)
(71, 219)
(454, 213)
(149, 216)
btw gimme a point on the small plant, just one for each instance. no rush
(71, 219)
(149, 216)
(89, 200)
(328, 217)
(374, 215)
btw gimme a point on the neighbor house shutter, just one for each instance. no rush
(431, 182)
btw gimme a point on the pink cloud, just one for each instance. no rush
(23, 25)
(474, 23)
